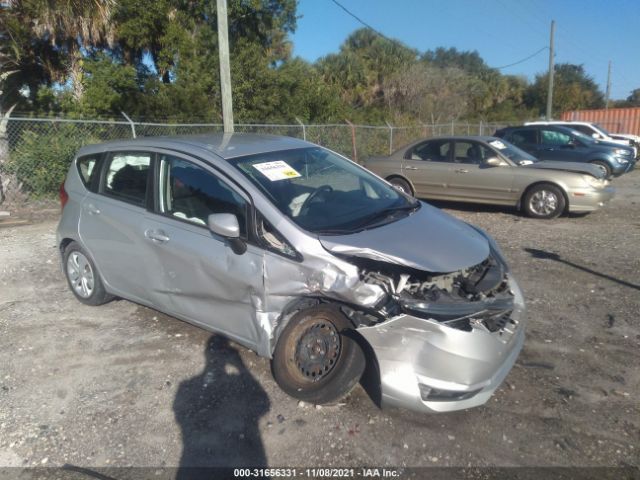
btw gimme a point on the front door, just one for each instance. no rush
(207, 282)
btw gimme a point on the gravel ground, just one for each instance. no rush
(123, 385)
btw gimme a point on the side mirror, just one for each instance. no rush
(226, 225)
(494, 162)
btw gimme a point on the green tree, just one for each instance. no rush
(573, 89)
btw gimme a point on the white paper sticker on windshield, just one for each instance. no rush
(498, 144)
(277, 170)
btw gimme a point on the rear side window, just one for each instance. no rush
(126, 177)
(87, 169)
(433, 151)
(523, 137)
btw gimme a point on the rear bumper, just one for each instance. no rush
(589, 199)
(426, 366)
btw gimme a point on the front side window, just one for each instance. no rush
(322, 192)
(191, 193)
(126, 177)
(471, 153)
(554, 138)
(433, 151)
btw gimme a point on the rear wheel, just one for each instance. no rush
(604, 167)
(544, 201)
(401, 184)
(315, 359)
(82, 276)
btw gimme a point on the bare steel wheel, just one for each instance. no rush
(82, 276)
(316, 358)
(317, 350)
(544, 201)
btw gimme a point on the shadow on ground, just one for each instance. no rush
(544, 255)
(218, 412)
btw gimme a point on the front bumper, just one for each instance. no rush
(429, 367)
(589, 199)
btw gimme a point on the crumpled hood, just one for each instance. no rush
(568, 167)
(428, 239)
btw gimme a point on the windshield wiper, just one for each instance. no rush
(385, 213)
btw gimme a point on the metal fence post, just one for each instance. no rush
(480, 128)
(353, 140)
(304, 129)
(390, 137)
(133, 126)
(453, 130)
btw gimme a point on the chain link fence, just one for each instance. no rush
(35, 152)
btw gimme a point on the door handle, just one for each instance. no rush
(93, 210)
(462, 170)
(157, 236)
(411, 168)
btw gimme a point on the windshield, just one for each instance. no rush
(602, 129)
(512, 152)
(582, 136)
(323, 192)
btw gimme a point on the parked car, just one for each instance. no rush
(555, 143)
(300, 255)
(592, 130)
(493, 171)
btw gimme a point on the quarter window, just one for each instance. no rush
(126, 177)
(191, 193)
(87, 169)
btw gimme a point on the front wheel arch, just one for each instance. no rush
(537, 184)
(404, 179)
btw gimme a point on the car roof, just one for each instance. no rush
(561, 128)
(226, 146)
(560, 123)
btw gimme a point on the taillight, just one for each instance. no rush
(64, 196)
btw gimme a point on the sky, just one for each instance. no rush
(588, 32)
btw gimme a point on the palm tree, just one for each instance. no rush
(73, 26)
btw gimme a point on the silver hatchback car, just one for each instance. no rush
(300, 255)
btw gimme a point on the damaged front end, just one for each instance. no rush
(442, 341)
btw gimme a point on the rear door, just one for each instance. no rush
(428, 166)
(207, 282)
(474, 180)
(112, 225)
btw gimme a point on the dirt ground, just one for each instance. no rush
(123, 385)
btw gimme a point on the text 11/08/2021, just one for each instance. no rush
(362, 472)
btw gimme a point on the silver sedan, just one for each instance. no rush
(490, 170)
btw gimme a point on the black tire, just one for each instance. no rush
(401, 184)
(76, 261)
(316, 359)
(605, 168)
(544, 201)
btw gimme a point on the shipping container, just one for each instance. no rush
(616, 120)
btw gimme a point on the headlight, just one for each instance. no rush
(623, 151)
(593, 182)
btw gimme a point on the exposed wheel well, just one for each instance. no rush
(528, 189)
(391, 177)
(64, 243)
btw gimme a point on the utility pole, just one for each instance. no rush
(550, 91)
(225, 70)
(606, 101)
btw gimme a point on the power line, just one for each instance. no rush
(349, 12)
(523, 60)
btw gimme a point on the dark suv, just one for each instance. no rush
(551, 142)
